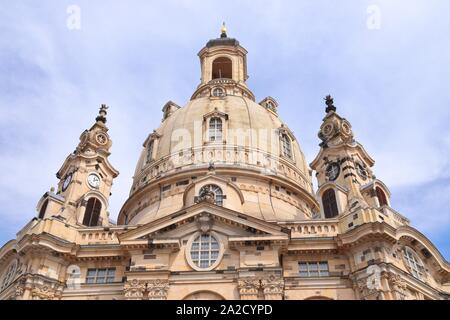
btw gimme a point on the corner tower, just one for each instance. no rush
(343, 168)
(85, 180)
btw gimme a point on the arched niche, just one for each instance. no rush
(318, 298)
(222, 68)
(204, 295)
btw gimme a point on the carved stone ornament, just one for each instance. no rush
(157, 289)
(205, 222)
(134, 289)
(249, 287)
(397, 285)
(368, 290)
(273, 287)
(206, 196)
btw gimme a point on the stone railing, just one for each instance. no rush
(368, 215)
(226, 155)
(97, 236)
(70, 233)
(221, 81)
(396, 217)
(313, 228)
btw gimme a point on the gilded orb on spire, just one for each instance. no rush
(223, 31)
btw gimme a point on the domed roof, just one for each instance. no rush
(223, 134)
(249, 126)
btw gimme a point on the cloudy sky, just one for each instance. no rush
(389, 77)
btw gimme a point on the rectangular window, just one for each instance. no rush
(105, 275)
(313, 269)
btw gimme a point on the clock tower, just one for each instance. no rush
(85, 180)
(344, 169)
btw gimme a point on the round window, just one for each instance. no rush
(218, 92)
(204, 251)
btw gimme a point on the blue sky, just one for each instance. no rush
(391, 83)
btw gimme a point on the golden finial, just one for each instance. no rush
(223, 31)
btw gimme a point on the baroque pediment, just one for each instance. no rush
(204, 217)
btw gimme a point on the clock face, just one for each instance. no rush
(327, 130)
(66, 182)
(101, 138)
(333, 171)
(361, 171)
(93, 180)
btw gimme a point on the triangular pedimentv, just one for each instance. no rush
(256, 227)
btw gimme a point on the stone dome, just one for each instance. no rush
(222, 138)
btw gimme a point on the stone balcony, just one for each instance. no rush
(314, 228)
(78, 235)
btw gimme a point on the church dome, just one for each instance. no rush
(223, 142)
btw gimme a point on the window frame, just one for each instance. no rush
(330, 204)
(381, 196)
(286, 146)
(414, 263)
(9, 275)
(215, 130)
(149, 152)
(221, 95)
(313, 269)
(215, 68)
(96, 210)
(188, 251)
(95, 278)
(218, 198)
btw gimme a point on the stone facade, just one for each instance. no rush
(222, 206)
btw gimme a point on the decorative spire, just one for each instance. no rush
(102, 113)
(329, 102)
(223, 31)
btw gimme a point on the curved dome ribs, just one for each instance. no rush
(222, 132)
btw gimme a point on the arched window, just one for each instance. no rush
(381, 197)
(329, 204)
(9, 275)
(43, 209)
(222, 68)
(286, 146)
(414, 264)
(92, 213)
(212, 188)
(149, 152)
(215, 129)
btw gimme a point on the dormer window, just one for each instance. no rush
(215, 130)
(150, 147)
(149, 156)
(214, 190)
(286, 146)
